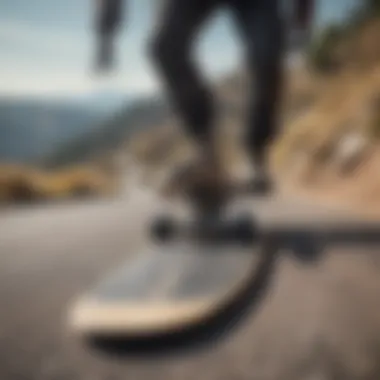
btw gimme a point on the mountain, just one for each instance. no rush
(32, 129)
(137, 116)
(102, 102)
(106, 101)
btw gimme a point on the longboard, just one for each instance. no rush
(169, 286)
(164, 290)
(175, 285)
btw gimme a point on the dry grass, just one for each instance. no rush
(318, 112)
(343, 106)
(28, 184)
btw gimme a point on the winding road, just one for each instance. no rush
(318, 320)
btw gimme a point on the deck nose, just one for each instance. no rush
(163, 289)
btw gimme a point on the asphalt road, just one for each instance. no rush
(317, 320)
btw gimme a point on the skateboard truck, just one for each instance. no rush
(210, 223)
(241, 230)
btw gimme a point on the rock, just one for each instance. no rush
(350, 152)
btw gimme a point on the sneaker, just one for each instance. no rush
(261, 183)
(201, 181)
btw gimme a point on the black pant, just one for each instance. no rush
(260, 26)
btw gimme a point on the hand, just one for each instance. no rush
(108, 18)
(105, 55)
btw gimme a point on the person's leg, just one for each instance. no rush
(171, 49)
(203, 179)
(261, 26)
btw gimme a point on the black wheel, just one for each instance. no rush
(244, 230)
(164, 229)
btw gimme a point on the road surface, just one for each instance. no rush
(316, 321)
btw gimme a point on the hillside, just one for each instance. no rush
(110, 134)
(332, 150)
(31, 129)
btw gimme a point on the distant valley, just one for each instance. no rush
(34, 129)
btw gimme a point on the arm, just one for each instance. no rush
(108, 17)
(301, 23)
(303, 13)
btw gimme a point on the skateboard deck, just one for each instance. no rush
(175, 285)
(165, 289)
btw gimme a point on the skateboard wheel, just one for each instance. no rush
(163, 229)
(243, 230)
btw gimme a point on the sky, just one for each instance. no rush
(47, 47)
